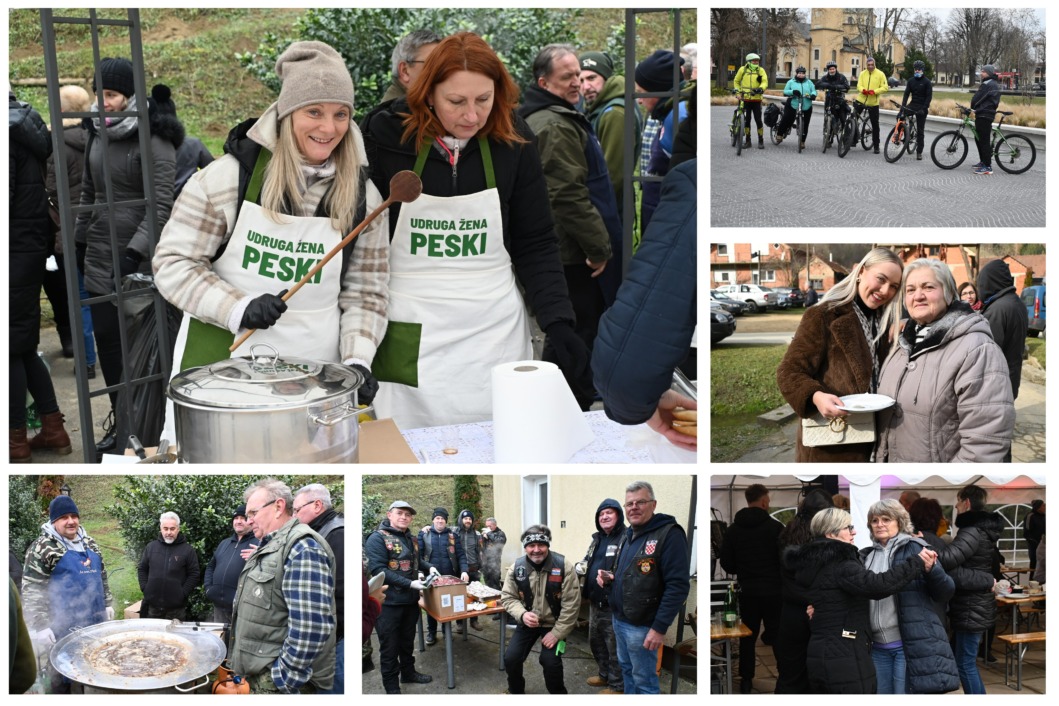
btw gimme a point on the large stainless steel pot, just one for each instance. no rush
(267, 409)
(137, 655)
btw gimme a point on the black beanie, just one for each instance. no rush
(61, 505)
(655, 73)
(117, 76)
(163, 102)
(440, 512)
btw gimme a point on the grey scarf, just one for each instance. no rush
(118, 128)
(870, 327)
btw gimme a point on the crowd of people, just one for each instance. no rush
(953, 371)
(634, 576)
(520, 205)
(907, 614)
(751, 81)
(277, 583)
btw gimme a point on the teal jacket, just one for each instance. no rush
(807, 89)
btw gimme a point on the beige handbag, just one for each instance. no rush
(856, 428)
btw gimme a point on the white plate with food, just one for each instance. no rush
(865, 402)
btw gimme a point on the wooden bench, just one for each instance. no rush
(1015, 649)
(1032, 613)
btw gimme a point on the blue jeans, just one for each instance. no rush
(638, 666)
(966, 651)
(889, 669)
(86, 323)
(339, 687)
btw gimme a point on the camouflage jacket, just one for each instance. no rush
(41, 558)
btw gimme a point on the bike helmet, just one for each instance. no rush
(919, 66)
(830, 64)
(799, 70)
(752, 57)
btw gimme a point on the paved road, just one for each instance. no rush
(779, 187)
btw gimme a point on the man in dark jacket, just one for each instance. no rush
(168, 572)
(918, 94)
(439, 546)
(655, 75)
(984, 103)
(579, 190)
(1033, 531)
(647, 588)
(1007, 317)
(393, 549)
(602, 550)
(751, 552)
(222, 573)
(471, 543)
(969, 559)
(312, 506)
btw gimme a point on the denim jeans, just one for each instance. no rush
(966, 651)
(339, 687)
(638, 666)
(889, 669)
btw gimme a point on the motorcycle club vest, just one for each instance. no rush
(402, 558)
(642, 586)
(471, 542)
(428, 548)
(553, 587)
(261, 614)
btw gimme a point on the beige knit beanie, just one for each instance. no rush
(312, 72)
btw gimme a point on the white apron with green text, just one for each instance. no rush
(455, 311)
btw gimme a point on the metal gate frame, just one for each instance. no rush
(68, 215)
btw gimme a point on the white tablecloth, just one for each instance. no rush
(614, 443)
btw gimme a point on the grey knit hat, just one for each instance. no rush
(312, 72)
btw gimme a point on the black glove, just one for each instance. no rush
(798, 93)
(129, 262)
(573, 356)
(80, 250)
(366, 392)
(264, 311)
(759, 91)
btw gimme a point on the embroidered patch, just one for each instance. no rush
(393, 564)
(520, 573)
(397, 548)
(649, 547)
(646, 565)
(406, 564)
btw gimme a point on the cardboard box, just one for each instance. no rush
(446, 601)
(381, 442)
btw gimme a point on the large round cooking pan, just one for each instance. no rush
(136, 655)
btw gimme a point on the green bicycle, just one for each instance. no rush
(736, 127)
(1012, 153)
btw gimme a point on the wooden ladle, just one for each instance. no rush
(405, 187)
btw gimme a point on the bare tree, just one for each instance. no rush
(979, 31)
(1021, 28)
(781, 31)
(892, 22)
(729, 29)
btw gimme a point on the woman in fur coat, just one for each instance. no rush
(839, 347)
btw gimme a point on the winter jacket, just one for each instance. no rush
(445, 551)
(336, 540)
(792, 640)
(930, 665)
(749, 78)
(28, 223)
(970, 561)
(470, 541)
(918, 94)
(871, 81)
(660, 149)
(570, 598)
(222, 573)
(831, 354)
(562, 133)
(401, 562)
(1033, 527)
(602, 552)
(673, 565)
(806, 88)
(168, 573)
(75, 139)
(42, 558)
(838, 83)
(986, 99)
(648, 330)
(204, 219)
(190, 157)
(607, 116)
(529, 232)
(953, 395)
(1006, 315)
(685, 145)
(751, 552)
(134, 234)
(839, 588)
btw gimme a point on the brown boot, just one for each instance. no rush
(18, 447)
(52, 435)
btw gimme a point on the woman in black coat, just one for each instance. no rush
(910, 647)
(829, 570)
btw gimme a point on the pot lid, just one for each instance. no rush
(263, 380)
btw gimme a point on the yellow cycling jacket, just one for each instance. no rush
(748, 78)
(871, 81)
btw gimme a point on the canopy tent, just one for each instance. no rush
(1004, 488)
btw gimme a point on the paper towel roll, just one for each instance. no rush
(535, 416)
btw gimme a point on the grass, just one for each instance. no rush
(743, 380)
(1037, 350)
(731, 437)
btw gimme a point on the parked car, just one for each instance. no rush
(787, 297)
(759, 298)
(722, 324)
(777, 297)
(1034, 299)
(732, 306)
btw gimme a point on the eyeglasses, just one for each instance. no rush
(636, 503)
(851, 529)
(299, 508)
(251, 513)
(416, 61)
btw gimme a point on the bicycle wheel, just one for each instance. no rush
(910, 136)
(845, 139)
(828, 133)
(949, 149)
(866, 133)
(1014, 154)
(774, 133)
(798, 131)
(895, 143)
(739, 141)
(736, 127)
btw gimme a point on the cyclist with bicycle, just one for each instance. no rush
(871, 84)
(984, 104)
(799, 88)
(918, 94)
(835, 85)
(752, 80)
